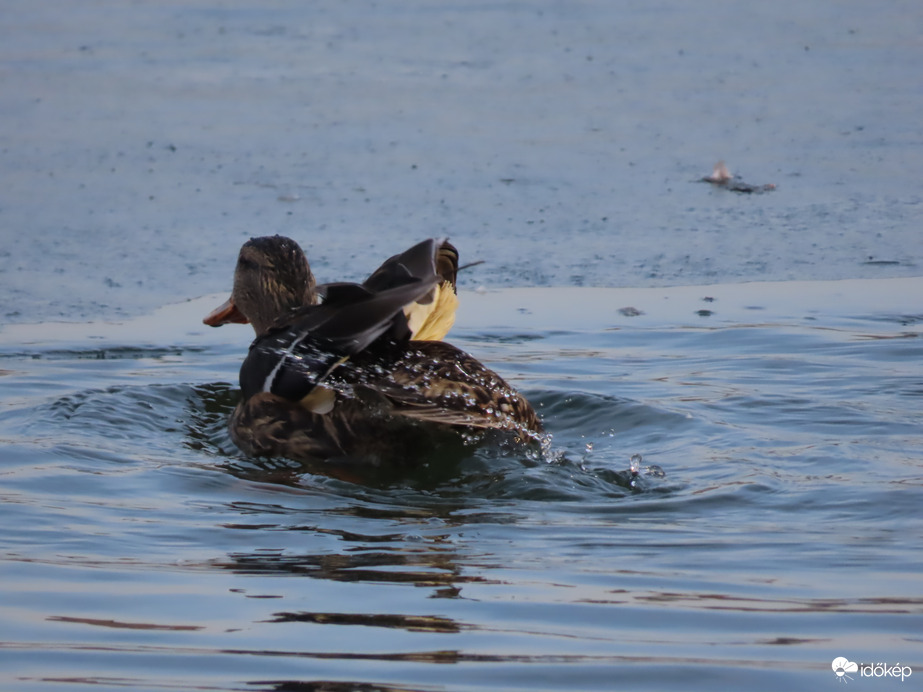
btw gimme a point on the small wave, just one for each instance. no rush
(103, 353)
(135, 420)
(132, 422)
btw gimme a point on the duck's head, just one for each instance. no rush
(271, 281)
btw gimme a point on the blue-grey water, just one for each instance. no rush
(142, 143)
(141, 550)
(761, 353)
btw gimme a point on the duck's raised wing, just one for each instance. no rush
(430, 317)
(432, 256)
(293, 358)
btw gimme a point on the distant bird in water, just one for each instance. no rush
(722, 177)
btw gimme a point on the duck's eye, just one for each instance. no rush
(246, 263)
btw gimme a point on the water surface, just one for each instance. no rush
(141, 143)
(141, 550)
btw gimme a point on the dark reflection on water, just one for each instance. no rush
(142, 550)
(430, 568)
(329, 686)
(411, 623)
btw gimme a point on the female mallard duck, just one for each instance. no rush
(356, 371)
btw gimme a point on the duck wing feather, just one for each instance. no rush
(291, 359)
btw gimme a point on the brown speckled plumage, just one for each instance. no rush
(344, 379)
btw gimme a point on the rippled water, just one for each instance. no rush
(141, 550)
(143, 142)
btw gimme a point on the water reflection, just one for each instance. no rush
(428, 562)
(123, 625)
(410, 623)
(330, 686)
(425, 569)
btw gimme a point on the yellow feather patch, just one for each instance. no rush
(433, 320)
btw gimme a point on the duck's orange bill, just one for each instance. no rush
(226, 313)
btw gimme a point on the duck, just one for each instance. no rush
(359, 373)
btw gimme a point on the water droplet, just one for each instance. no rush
(635, 464)
(656, 471)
